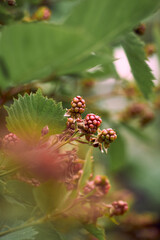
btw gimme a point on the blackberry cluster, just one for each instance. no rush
(91, 123)
(119, 208)
(10, 141)
(107, 136)
(78, 105)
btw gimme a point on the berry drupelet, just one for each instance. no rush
(91, 123)
(78, 105)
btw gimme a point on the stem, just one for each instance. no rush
(67, 141)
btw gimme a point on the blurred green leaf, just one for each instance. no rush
(157, 39)
(36, 50)
(32, 51)
(87, 169)
(134, 49)
(24, 234)
(48, 232)
(106, 20)
(117, 154)
(19, 193)
(49, 195)
(96, 231)
(29, 114)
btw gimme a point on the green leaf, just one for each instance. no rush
(32, 51)
(157, 39)
(96, 231)
(134, 49)
(87, 169)
(94, 16)
(24, 234)
(48, 232)
(29, 114)
(49, 195)
(117, 154)
(35, 50)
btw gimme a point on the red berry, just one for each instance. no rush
(78, 105)
(92, 122)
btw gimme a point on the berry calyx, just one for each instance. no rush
(91, 123)
(107, 136)
(78, 105)
(10, 141)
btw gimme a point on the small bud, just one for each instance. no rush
(42, 13)
(119, 208)
(140, 30)
(45, 131)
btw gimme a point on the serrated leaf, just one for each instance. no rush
(24, 234)
(96, 231)
(30, 113)
(87, 169)
(134, 49)
(49, 195)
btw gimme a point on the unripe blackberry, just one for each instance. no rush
(11, 2)
(10, 141)
(150, 49)
(91, 123)
(147, 117)
(140, 30)
(78, 105)
(119, 208)
(43, 13)
(107, 136)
